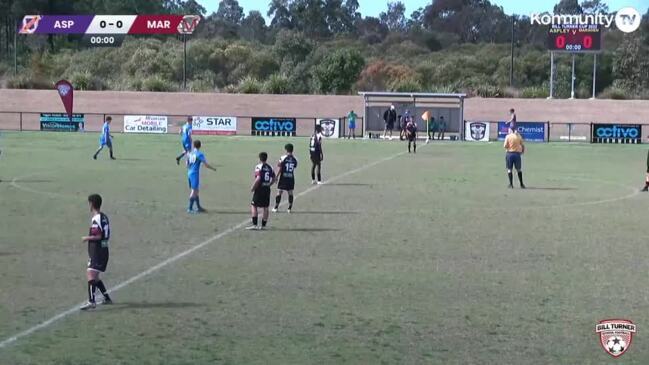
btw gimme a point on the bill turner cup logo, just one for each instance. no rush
(627, 19)
(64, 89)
(615, 335)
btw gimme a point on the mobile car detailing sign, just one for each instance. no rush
(477, 131)
(530, 131)
(273, 127)
(330, 127)
(151, 124)
(214, 125)
(60, 122)
(617, 133)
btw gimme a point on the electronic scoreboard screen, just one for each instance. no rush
(574, 38)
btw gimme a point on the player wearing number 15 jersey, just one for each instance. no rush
(264, 179)
(286, 173)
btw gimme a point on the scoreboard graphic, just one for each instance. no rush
(108, 24)
(574, 38)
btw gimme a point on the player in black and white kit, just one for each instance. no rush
(264, 179)
(315, 149)
(97, 251)
(286, 173)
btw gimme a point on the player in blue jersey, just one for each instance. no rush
(185, 139)
(106, 139)
(194, 160)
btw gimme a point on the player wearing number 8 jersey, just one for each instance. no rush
(264, 179)
(286, 173)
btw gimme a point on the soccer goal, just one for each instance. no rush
(438, 116)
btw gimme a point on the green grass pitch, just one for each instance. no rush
(402, 259)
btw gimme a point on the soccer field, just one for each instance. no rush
(398, 259)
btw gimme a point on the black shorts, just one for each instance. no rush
(286, 184)
(412, 137)
(315, 158)
(389, 126)
(261, 197)
(513, 160)
(98, 258)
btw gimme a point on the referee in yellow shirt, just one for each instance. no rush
(515, 148)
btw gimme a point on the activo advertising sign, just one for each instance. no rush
(477, 131)
(617, 133)
(273, 126)
(530, 131)
(60, 122)
(330, 127)
(153, 124)
(214, 125)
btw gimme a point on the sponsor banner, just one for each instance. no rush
(617, 133)
(60, 122)
(530, 131)
(273, 127)
(214, 125)
(477, 131)
(330, 127)
(152, 124)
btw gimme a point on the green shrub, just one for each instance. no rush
(86, 81)
(535, 92)
(157, 83)
(249, 85)
(277, 84)
(615, 93)
(406, 85)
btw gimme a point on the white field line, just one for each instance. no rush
(8, 341)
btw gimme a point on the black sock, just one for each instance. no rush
(646, 184)
(511, 178)
(278, 199)
(290, 202)
(319, 177)
(255, 220)
(520, 177)
(415, 147)
(102, 289)
(91, 291)
(263, 222)
(313, 174)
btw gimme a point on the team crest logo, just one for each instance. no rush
(63, 89)
(29, 24)
(188, 24)
(328, 127)
(615, 335)
(478, 131)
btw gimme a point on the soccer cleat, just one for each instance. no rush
(252, 228)
(523, 186)
(191, 211)
(87, 306)
(177, 161)
(313, 182)
(510, 186)
(94, 157)
(107, 301)
(288, 210)
(201, 210)
(274, 210)
(320, 183)
(113, 158)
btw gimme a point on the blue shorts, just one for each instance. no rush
(194, 181)
(187, 146)
(352, 125)
(513, 160)
(108, 143)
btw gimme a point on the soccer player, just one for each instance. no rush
(411, 134)
(264, 179)
(442, 128)
(106, 139)
(194, 160)
(511, 124)
(351, 120)
(315, 149)
(646, 184)
(389, 117)
(185, 139)
(515, 148)
(97, 252)
(286, 173)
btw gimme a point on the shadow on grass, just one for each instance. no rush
(22, 181)
(305, 229)
(348, 184)
(7, 254)
(283, 211)
(323, 212)
(549, 188)
(147, 305)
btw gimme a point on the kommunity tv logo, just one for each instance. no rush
(626, 19)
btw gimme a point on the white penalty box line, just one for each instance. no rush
(42, 325)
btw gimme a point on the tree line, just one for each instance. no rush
(326, 46)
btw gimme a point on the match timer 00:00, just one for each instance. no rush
(574, 39)
(103, 40)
